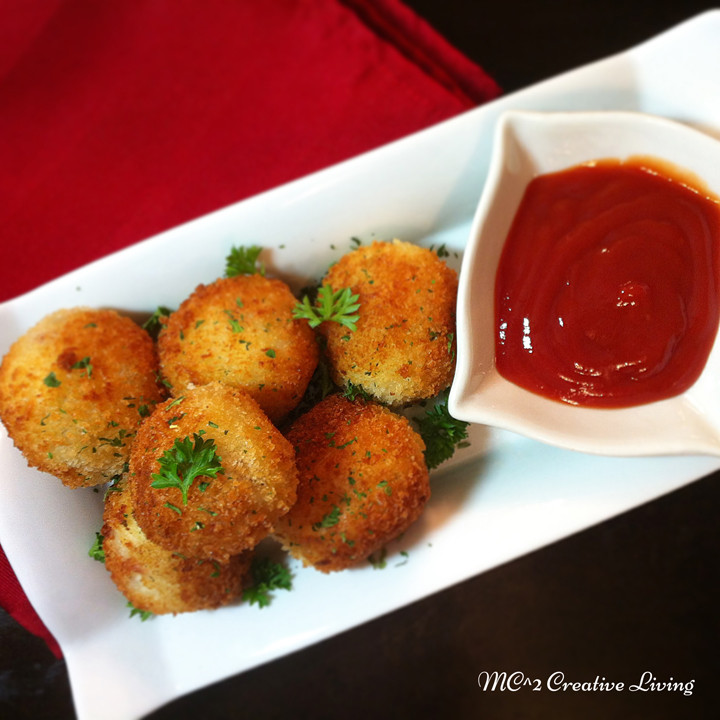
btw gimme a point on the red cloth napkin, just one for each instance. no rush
(122, 118)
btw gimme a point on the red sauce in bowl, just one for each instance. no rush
(607, 290)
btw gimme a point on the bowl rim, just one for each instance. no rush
(479, 394)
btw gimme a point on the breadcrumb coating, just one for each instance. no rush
(231, 512)
(403, 349)
(157, 580)
(362, 482)
(73, 390)
(240, 331)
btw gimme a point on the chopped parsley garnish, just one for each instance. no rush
(321, 382)
(332, 443)
(379, 559)
(115, 484)
(352, 391)
(186, 460)
(340, 306)
(235, 325)
(441, 250)
(385, 485)
(153, 324)
(51, 381)
(267, 576)
(144, 614)
(243, 261)
(441, 433)
(175, 402)
(96, 551)
(116, 441)
(330, 519)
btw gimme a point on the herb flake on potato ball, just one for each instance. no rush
(362, 482)
(73, 390)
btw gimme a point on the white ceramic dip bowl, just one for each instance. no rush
(528, 144)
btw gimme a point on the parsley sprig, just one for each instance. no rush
(96, 551)
(267, 576)
(52, 381)
(244, 261)
(329, 519)
(154, 324)
(338, 306)
(442, 434)
(142, 614)
(84, 365)
(353, 391)
(379, 559)
(186, 460)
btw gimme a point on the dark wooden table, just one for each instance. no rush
(637, 593)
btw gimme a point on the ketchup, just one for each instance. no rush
(607, 290)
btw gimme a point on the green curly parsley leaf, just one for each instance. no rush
(83, 364)
(144, 614)
(378, 559)
(339, 306)
(153, 325)
(441, 250)
(96, 551)
(244, 261)
(442, 434)
(328, 520)
(353, 391)
(186, 460)
(52, 381)
(267, 576)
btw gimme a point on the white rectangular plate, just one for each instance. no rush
(503, 497)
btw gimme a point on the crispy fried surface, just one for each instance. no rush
(157, 580)
(231, 513)
(240, 331)
(363, 482)
(73, 390)
(403, 349)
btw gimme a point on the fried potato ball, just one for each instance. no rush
(73, 390)
(240, 331)
(403, 349)
(157, 580)
(238, 472)
(362, 482)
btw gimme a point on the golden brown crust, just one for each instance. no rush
(240, 331)
(363, 481)
(157, 580)
(232, 512)
(73, 390)
(403, 349)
